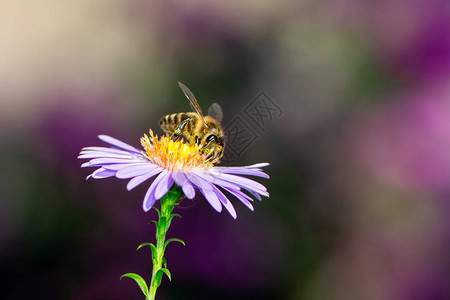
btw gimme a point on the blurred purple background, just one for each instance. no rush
(348, 100)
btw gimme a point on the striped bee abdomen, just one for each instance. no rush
(169, 123)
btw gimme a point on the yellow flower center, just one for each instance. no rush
(174, 155)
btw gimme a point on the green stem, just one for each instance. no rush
(168, 202)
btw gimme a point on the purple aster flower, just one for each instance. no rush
(174, 162)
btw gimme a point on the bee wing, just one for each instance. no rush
(215, 112)
(193, 101)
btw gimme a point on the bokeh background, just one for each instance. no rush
(359, 146)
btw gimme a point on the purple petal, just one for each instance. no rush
(181, 180)
(217, 181)
(226, 202)
(245, 183)
(242, 171)
(241, 197)
(112, 150)
(93, 154)
(211, 197)
(107, 161)
(106, 150)
(256, 195)
(135, 170)
(198, 180)
(117, 167)
(102, 173)
(227, 184)
(117, 143)
(188, 190)
(140, 179)
(164, 185)
(149, 198)
(259, 165)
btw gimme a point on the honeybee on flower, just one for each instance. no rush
(194, 128)
(178, 159)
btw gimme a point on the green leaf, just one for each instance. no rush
(157, 210)
(154, 253)
(176, 215)
(167, 272)
(144, 244)
(164, 262)
(172, 240)
(139, 280)
(158, 278)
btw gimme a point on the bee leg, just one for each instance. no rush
(175, 137)
(177, 134)
(212, 157)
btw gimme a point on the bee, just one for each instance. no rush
(196, 129)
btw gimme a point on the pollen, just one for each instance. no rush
(174, 155)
